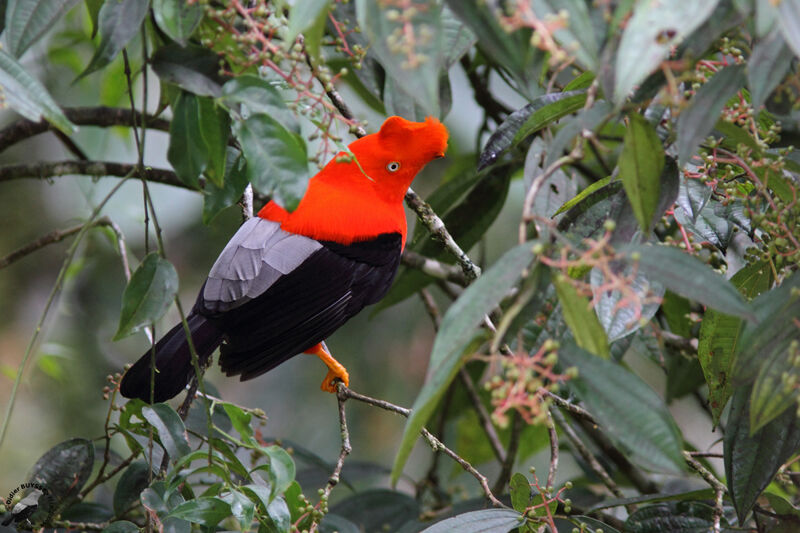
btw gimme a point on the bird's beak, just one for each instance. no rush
(439, 155)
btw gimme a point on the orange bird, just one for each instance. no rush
(287, 281)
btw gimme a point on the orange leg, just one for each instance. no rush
(335, 369)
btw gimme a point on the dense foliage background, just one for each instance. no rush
(601, 282)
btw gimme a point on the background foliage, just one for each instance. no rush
(613, 289)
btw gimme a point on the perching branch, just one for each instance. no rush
(434, 268)
(56, 169)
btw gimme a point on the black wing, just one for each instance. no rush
(274, 294)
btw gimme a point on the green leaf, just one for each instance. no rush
(26, 21)
(767, 66)
(520, 491)
(118, 21)
(751, 460)
(685, 517)
(170, 428)
(414, 61)
(541, 112)
(277, 163)
(64, 469)
(259, 96)
(240, 421)
(192, 68)
(93, 7)
(207, 511)
(640, 166)
(653, 30)
(720, 335)
(216, 199)
(130, 485)
(591, 525)
(187, 153)
(378, 509)
(689, 277)
(308, 17)
(458, 39)
(147, 297)
(627, 410)
(700, 494)
(243, 508)
(215, 128)
(455, 334)
(789, 22)
(121, 526)
(178, 18)
(281, 467)
(697, 121)
(486, 521)
(578, 198)
(580, 318)
(618, 320)
(27, 96)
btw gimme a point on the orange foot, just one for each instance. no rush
(336, 371)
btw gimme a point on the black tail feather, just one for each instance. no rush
(173, 361)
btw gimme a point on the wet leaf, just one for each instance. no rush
(64, 469)
(170, 428)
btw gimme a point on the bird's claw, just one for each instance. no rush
(329, 383)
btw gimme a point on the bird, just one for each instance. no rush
(24, 508)
(287, 280)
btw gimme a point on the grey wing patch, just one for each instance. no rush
(255, 258)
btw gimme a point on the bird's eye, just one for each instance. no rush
(394, 166)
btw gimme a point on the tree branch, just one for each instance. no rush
(434, 268)
(86, 168)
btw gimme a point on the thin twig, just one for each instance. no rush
(434, 443)
(719, 488)
(507, 466)
(54, 169)
(433, 268)
(569, 406)
(553, 437)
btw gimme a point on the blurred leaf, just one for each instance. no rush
(192, 68)
(149, 294)
(700, 494)
(592, 525)
(691, 278)
(26, 21)
(178, 18)
(408, 46)
(131, 483)
(768, 64)
(204, 511)
(577, 36)
(781, 506)
(520, 491)
(653, 30)
(259, 96)
(117, 22)
(281, 468)
(684, 376)
(640, 166)
(216, 199)
(121, 526)
(578, 198)
(87, 512)
(669, 517)
(696, 121)
(334, 523)
(187, 153)
(64, 469)
(627, 410)
(580, 318)
(456, 36)
(753, 458)
(24, 94)
(93, 7)
(378, 509)
(720, 335)
(541, 112)
(617, 320)
(693, 195)
(170, 428)
(277, 162)
(486, 521)
(242, 508)
(308, 17)
(215, 128)
(789, 22)
(455, 333)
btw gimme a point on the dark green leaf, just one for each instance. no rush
(64, 469)
(121, 526)
(700, 494)
(640, 166)
(693, 195)
(216, 199)
(308, 17)
(768, 64)
(720, 335)
(87, 512)
(178, 18)
(580, 318)
(672, 517)
(378, 509)
(627, 410)
(192, 68)
(277, 163)
(170, 428)
(653, 30)
(618, 320)
(130, 485)
(592, 525)
(207, 511)
(455, 334)
(118, 21)
(26, 21)
(149, 294)
(259, 96)
(215, 128)
(691, 278)
(281, 468)
(416, 61)
(486, 521)
(93, 7)
(186, 152)
(24, 94)
(684, 376)
(752, 460)
(520, 491)
(457, 38)
(697, 121)
(334, 523)
(525, 121)
(578, 198)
